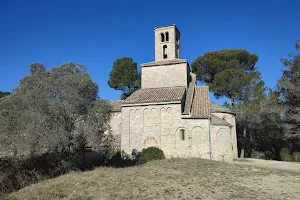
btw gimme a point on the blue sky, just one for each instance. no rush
(95, 33)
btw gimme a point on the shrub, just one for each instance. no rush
(285, 155)
(151, 153)
(258, 155)
(269, 155)
(19, 172)
(116, 158)
(296, 156)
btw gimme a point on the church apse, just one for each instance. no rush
(171, 112)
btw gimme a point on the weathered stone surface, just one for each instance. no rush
(159, 76)
(175, 126)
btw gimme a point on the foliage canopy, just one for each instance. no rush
(3, 94)
(228, 72)
(289, 85)
(52, 110)
(125, 76)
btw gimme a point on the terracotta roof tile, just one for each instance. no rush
(116, 105)
(200, 106)
(214, 107)
(164, 62)
(189, 95)
(156, 95)
(219, 121)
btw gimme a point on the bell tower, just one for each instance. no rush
(167, 43)
(168, 70)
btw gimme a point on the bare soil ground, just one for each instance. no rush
(270, 164)
(172, 179)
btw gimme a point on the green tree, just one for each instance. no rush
(125, 76)
(3, 94)
(228, 72)
(290, 88)
(259, 125)
(44, 111)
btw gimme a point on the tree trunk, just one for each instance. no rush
(242, 155)
(232, 101)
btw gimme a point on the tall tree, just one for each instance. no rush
(290, 87)
(228, 72)
(259, 124)
(125, 76)
(3, 94)
(43, 111)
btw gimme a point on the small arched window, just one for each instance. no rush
(167, 36)
(162, 37)
(164, 52)
(182, 134)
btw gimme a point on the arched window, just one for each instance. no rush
(164, 51)
(182, 134)
(167, 36)
(162, 37)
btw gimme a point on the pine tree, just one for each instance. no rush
(290, 88)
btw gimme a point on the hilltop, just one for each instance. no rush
(170, 179)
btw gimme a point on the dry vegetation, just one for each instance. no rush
(170, 179)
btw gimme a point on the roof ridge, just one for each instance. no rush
(161, 94)
(164, 62)
(200, 105)
(189, 98)
(161, 87)
(116, 100)
(219, 121)
(219, 108)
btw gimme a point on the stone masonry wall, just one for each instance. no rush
(161, 126)
(115, 123)
(231, 120)
(221, 143)
(171, 44)
(159, 76)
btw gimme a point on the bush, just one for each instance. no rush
(258, 155)
(296, 156)
(269, 155)
(151, 153)
(116, 158)
(19, 172)
(285, 155)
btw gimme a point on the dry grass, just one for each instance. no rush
(170, 179)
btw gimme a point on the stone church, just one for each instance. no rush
(171, 111)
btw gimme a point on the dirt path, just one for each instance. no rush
(269, 164)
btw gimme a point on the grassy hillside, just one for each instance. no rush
(169, 179)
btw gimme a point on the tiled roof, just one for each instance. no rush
(200, 106)
(164, 62)
(214, 107)
(156, 95)
(218, 121)
(116, 105)
(189, 95)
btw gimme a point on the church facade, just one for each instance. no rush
(171, 111)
